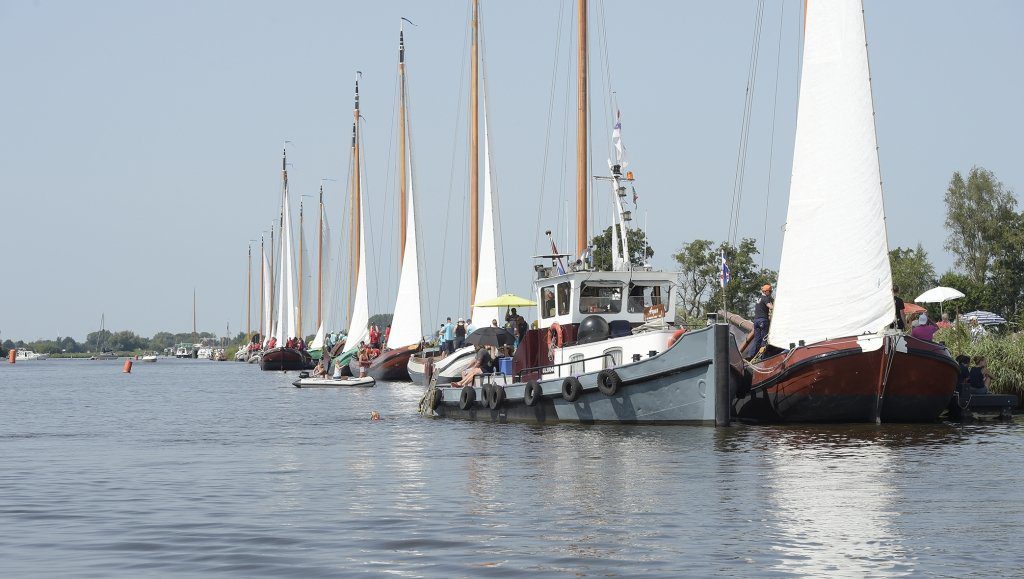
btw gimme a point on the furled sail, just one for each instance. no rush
(267, 306)
(834, 276)
(487, 271)
(407, 325)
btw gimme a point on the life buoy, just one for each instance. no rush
(467, 398)
(532, 393)
(608, 382)
(675, 337)
(497, 397)
(555, 339)
(571, 389)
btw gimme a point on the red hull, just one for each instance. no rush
(285, 359)
(390, 366)
(905, 380)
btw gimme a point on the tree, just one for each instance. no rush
(976, 211)
(977, 296)
(911, 271)
(639, 251)
(380, 320)
(699, 288)
(1007, 271)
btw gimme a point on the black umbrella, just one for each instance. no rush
(491, 336)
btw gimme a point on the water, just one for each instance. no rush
(197, 467)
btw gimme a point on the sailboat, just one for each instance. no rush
(406, 334)
(607, 348)
(840, 362)
(427, 366)
(281, 357)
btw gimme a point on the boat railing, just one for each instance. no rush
(582, 362)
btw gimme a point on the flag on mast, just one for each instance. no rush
(620, 149)
(723, 275)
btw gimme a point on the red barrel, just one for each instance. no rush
(127, 366)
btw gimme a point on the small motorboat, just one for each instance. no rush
(307, 382)
(149, 358)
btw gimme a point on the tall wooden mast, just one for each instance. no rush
(298, 321)
(582, 180)
(474, 153)
(248, 297)
(320, 262)
(193, 315)
(401, 145)
(356, 200)
(263, 253)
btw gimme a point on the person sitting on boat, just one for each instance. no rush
(978, 378)
(318, 370)
(510, 318)
(900, 306)
(924, 329)
(272, 343)
(762, 313)
(482, 364)
(374, 337)
(337, 371)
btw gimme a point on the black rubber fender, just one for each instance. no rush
(436, 397)
(485, 394)
(571, 389)
(467, 398)
(608, 382)
(497, 397)
(532, 393)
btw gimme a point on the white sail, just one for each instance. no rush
(307, 298)
(487, 270)
(267, 306)
(286, 286)
(407, 324)
(834, 276)
(318, 339)
(360, 318)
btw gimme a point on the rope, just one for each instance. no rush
(771, 147)
(491, 173)
(547, 132)
(455, 140)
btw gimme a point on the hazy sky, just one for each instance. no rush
(140, 141)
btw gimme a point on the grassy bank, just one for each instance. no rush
(1004, 355)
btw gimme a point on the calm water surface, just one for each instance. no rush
(198, 467)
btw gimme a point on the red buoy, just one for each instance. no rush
(127, 366)
(12, 355)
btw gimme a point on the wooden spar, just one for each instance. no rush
(248, 297)
(401, 147)
(298, 320)
(320, 263)
(263, 253)
(474, 155)
(193, 315)
(582, 180)
(273, 289)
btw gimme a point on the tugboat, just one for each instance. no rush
(837, 360)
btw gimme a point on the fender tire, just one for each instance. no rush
(497, 397)
(608, 382)
(532, 393)
(436, 397)
(467, 398)
(571, 389)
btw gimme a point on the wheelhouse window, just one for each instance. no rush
(564, 295)
(600, 297)
(547, 301)
(647, 294)
(577, 366)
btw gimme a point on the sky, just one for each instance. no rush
(140, 142)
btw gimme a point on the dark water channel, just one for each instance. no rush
(198, 467)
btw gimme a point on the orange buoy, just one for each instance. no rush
(127, 366)
(675, 337)
(12, 355)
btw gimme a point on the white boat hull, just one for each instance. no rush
(364, 382)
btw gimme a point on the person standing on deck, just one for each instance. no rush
(460, 334)
(449, 336)
(762, 314)
(900, 324)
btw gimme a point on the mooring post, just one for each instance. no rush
(723, 398)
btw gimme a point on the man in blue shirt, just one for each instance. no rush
(449, 336)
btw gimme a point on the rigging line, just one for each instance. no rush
(390, 179)
(411, 201)
(547, 131)
(366, 179)
(771, 146)
(563, 212)
(610, 107)
(741, 156)
(344, 248)
(455, 140)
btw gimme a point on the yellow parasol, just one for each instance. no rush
(505, 301)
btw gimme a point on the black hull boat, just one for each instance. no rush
(284, 359)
